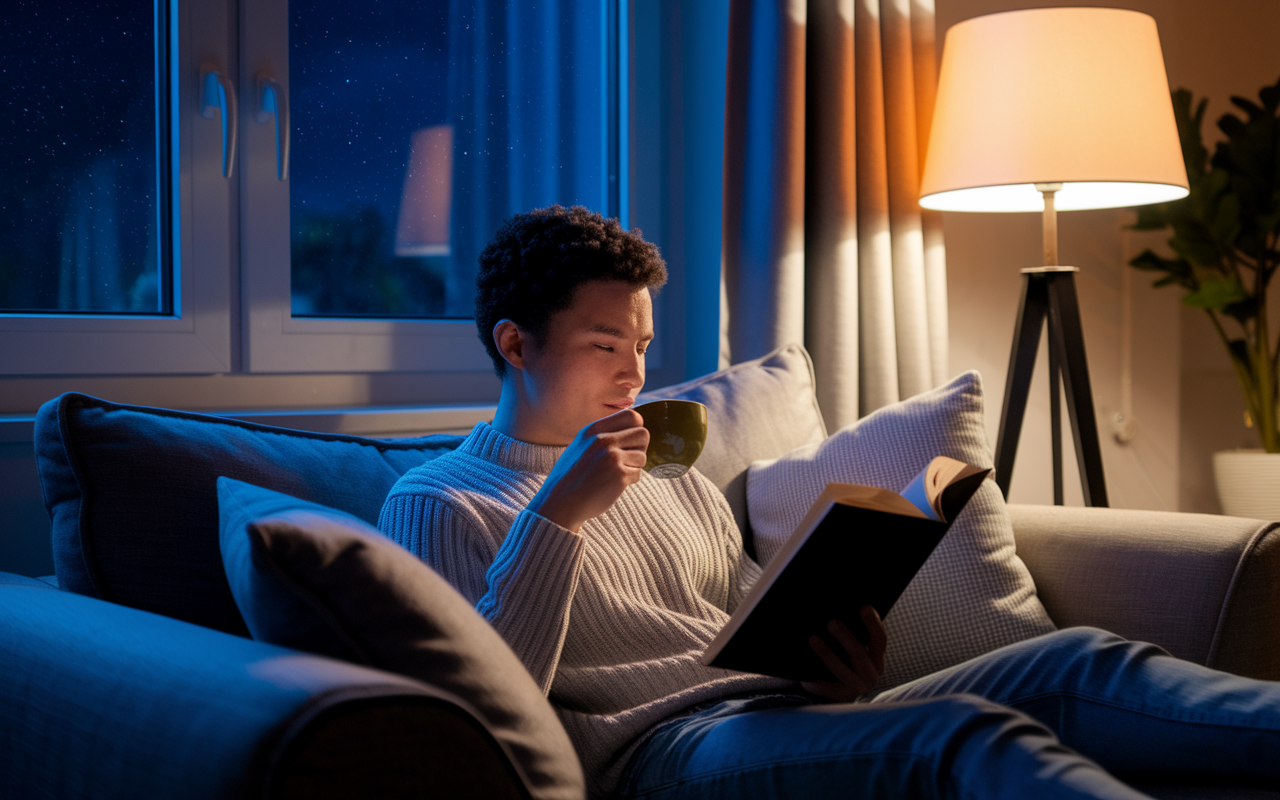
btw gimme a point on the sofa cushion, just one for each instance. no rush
(758, 409)
(133, 500)
(321, 580)
(974, 594)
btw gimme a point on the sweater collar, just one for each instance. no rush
(490, 444)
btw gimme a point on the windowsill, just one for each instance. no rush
(388, 422)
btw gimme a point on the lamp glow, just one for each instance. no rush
(1076, 96)
(1071, 197)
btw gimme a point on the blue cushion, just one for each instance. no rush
(133, 497)
(317, 579)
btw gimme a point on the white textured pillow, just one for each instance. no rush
(973, 594)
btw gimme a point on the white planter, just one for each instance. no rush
(1248, 483)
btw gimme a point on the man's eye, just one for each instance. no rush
(605, 347)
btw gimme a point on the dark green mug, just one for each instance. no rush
(677, 433)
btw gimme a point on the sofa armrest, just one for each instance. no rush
(1206, 588)
(106, 701)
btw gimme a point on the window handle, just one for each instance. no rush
(272, 102)
(217, 93)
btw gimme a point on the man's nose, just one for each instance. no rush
(632, 374)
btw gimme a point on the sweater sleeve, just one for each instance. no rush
(524, 590)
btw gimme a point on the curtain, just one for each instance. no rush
(529, 108)
(828, 108)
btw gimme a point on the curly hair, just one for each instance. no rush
(537, 260)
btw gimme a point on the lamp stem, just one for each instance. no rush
(1050, 222)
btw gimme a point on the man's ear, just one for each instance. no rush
(511, 341)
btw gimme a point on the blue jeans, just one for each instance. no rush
(1051, 717)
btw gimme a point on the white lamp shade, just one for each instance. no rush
(1076, 96)
(425, 203)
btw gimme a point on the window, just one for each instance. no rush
(79, 205)
(317, 207)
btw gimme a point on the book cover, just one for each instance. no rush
(857, 546)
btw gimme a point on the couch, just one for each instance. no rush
(131, 673)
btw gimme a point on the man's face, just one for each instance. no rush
(592, 363)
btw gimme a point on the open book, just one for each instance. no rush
(857, 546)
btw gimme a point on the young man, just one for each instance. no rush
(609, 583)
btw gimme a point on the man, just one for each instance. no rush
(609, 583)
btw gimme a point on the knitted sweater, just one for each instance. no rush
(609, 622)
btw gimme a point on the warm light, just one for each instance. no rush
(1076, 96)
(425, 203)
(1071, 197)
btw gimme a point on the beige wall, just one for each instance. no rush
(1185, 401)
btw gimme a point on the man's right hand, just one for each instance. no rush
(604, 459)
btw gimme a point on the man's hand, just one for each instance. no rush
(861, 667)
(604, 458)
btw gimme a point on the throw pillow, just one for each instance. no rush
(133, 501)
(320, 580)
(757, 409)
(974, 594)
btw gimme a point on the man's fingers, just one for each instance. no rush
(840, 670)
(628, 439)
(619, 421)
(879, 639)
(859, 658)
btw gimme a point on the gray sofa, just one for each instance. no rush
(131, 673)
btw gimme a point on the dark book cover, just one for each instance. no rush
(855, 556)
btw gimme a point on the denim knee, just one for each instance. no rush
(1084, 640)
(984, 749)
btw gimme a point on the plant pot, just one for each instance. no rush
(1248, 483)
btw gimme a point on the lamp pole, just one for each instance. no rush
(1049, 296)
(1048, 190)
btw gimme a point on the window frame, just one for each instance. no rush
(196, 337)
(229, 241)
(276, 341)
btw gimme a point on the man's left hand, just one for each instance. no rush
(861, 665)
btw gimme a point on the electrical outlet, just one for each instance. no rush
(1123, 427)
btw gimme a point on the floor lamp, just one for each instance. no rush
(1052, 109)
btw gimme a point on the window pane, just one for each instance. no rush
(419, 126)
(78, 177)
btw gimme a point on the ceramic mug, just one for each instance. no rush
(677, 433)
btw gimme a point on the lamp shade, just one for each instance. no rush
(1076, 96)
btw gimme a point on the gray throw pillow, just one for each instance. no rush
(320, 580)
(761, 408)
(974, 594)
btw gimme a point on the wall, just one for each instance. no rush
(1186, 404)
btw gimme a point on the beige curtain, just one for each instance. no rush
(827, 117)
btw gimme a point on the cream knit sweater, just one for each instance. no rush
(611, 622)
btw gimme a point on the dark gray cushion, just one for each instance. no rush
(132, 496)
(320, 580)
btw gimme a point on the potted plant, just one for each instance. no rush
(1225, 239)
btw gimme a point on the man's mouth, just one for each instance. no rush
(626, 402)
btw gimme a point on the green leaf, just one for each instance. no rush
(1194, 241)
(1215, 294)
(1243, 311)
(1270, 96)
(1224, 226)
(1148, 260)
